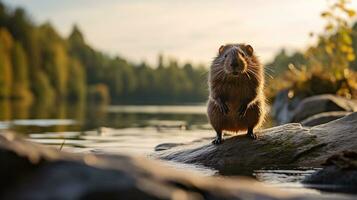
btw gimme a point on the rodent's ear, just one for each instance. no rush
(220, 50)
(249, 50)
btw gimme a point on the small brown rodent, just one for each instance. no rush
(236, 81)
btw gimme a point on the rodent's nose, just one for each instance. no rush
(234, 64)
(236, 67)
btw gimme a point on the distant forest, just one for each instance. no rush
(37, 63)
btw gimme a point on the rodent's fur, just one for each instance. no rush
(236, 81)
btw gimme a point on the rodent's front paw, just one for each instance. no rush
(242, 110)
(223, 108)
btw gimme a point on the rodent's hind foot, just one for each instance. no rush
(251, 134)
(217, 141)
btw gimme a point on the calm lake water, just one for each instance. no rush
(127, 130)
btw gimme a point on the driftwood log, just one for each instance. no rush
(286, 145)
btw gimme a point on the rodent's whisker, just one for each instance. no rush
(247, 75)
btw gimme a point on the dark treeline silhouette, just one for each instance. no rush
(37, 63)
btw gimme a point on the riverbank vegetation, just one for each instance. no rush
(328, 66)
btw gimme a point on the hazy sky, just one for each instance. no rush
(187, 29)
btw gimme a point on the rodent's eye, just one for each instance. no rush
(225, 56)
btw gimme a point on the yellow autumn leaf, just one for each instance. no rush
(350, 50)
(344, 48)
(351, 12)
(328, 49)
(351, 57)
(346, 72)
(346, 38)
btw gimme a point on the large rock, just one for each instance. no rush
(290, 144)
(287, 110)
(323, 118)
(30, 171)
(283, 107)
(322, 103)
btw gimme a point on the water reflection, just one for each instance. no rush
(61, 117)
(114, 129)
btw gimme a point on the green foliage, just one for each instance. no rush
(77, 81)
(20, 86)
(55, 59)
(42, 88)
(6, 43)
(98, 93)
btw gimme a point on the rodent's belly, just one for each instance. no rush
(233, 110)
(232, 122)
